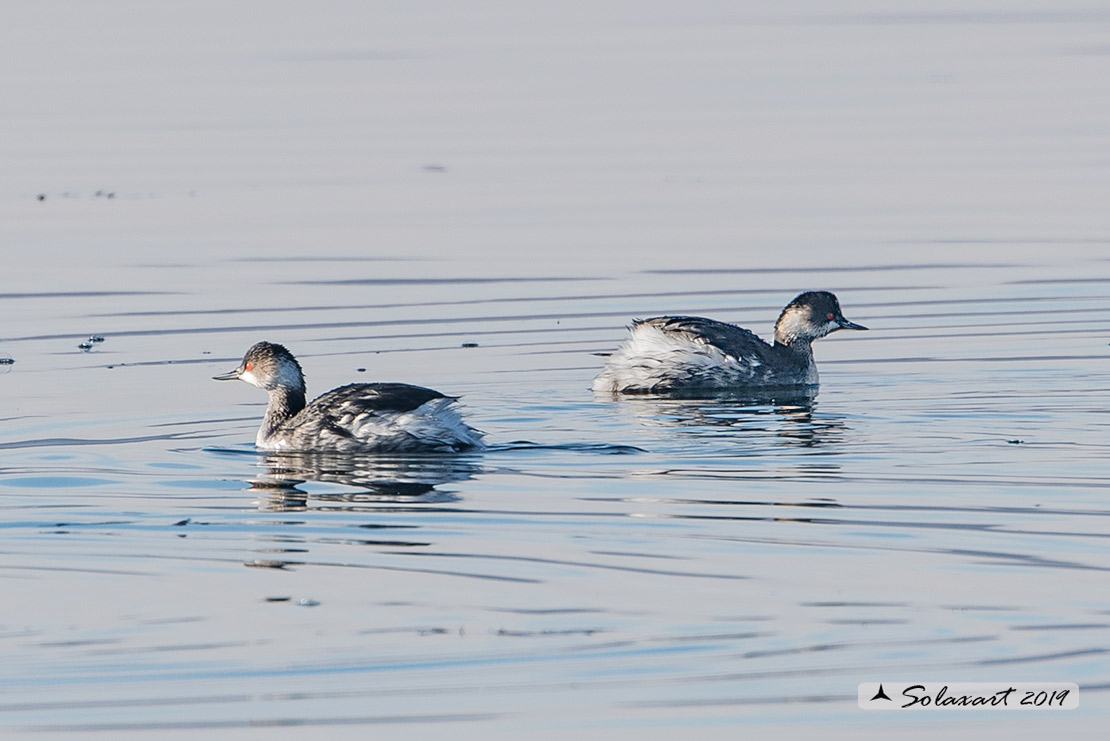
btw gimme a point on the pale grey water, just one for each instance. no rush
(375, 186)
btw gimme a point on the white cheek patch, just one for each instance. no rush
(250, 378)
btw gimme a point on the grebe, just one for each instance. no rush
(358, 418)
(675, 354)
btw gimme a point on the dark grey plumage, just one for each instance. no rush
(360, 417)
(673, 354)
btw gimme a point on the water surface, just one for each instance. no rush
(376, 188)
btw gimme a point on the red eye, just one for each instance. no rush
(830, 315)
(248, 366)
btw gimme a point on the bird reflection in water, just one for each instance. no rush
(773, 417)
(372, 480)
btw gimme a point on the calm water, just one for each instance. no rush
(376, 188)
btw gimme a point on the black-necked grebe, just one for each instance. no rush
(359, 418)
(674, 354)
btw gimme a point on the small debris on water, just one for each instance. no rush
(1015, 442)
(307, 602)
(470, 344)
(87, 345)
(6, 359)
(278, 599)
(181, 523)
(434, 168)
(41, 196)
(261, 563)
(360, 370)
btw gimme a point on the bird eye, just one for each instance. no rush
(830, 315)
(248, 366)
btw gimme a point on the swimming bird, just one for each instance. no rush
(677, 354)
(358, 418)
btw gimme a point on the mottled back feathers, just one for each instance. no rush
(359, 417)
(672, 354)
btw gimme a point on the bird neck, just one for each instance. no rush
(284, 403)
(799, 344)
(797, 355)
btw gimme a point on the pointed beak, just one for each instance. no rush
(845, 324)
(229, 376)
